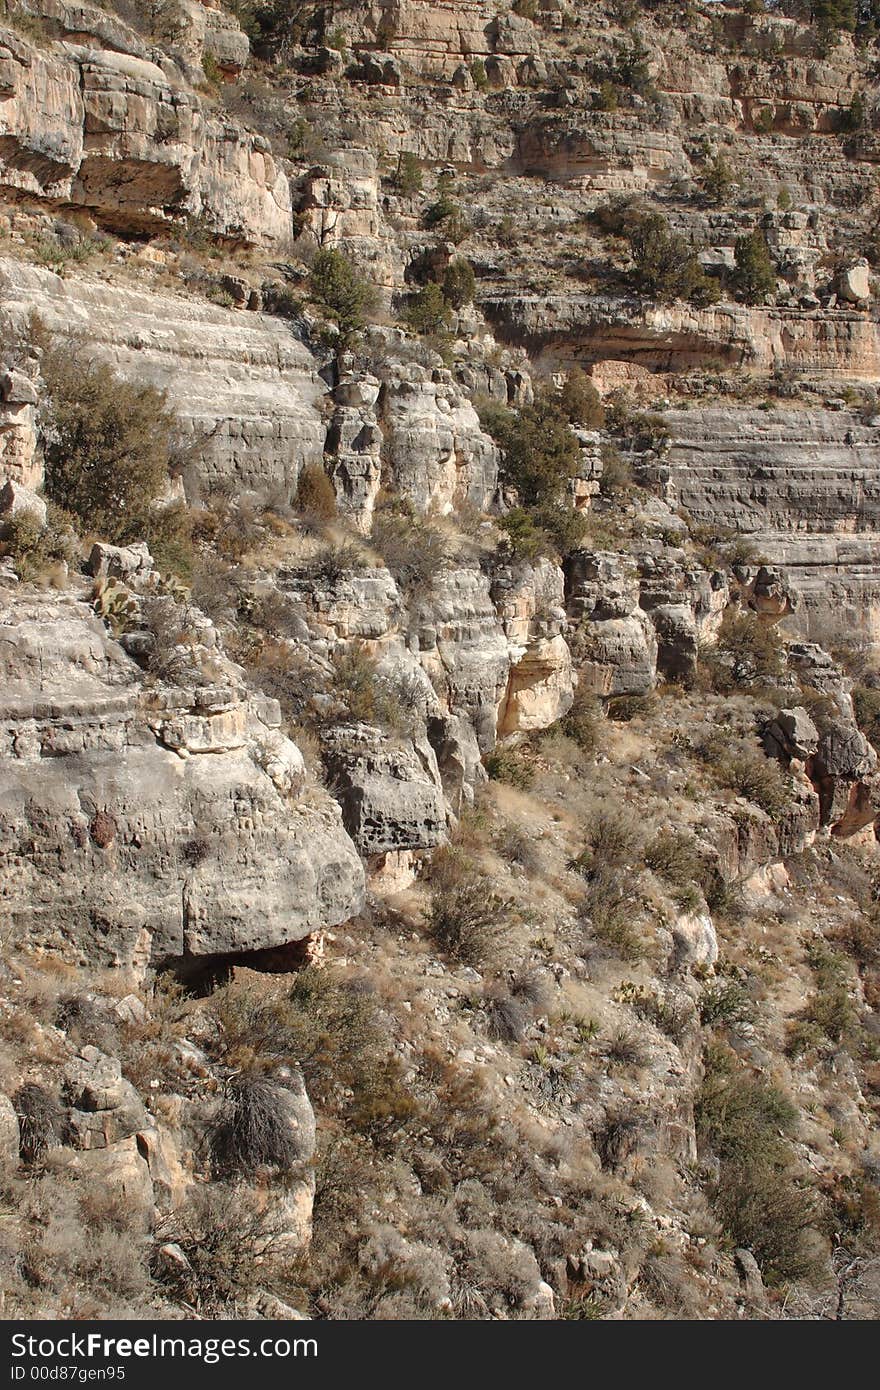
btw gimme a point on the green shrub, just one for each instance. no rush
(478, 73)
(605, 98)
(665, 267)
(469, 920)
(724, 1002)
(623, 708)
(276, 26)
(631, 65)
(764, 120)
(444, 209)
(509, 765)
(531, 532)
(746, 1123)
(866, 703)
(717, 181)
(540, 453)
(341, 291)
(107, 444)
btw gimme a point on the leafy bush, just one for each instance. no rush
(531, 532)
(275, 26)
(608, 908)
(580, 402)
(717, 181)
(445, 211)
(665, 267)
(866, 704)
(509, 765)
(341, 291)
(724, 1002)
(107, 444)
(540, 453)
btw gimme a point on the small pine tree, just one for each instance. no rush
(341, 291)
(428, 311)
(580, 402)
(755, 275)
(408, 174)
(718, 181)
(459, 283)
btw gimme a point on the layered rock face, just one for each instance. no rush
(153, 823)
(804, 486)
(245, 389)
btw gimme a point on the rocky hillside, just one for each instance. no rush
(439, 597)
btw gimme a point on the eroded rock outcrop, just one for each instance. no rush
(96, 122)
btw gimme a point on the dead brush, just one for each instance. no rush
(252, 1130)
(41, 1120)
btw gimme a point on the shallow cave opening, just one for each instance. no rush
(201, 975)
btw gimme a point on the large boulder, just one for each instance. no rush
(105, 1107)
